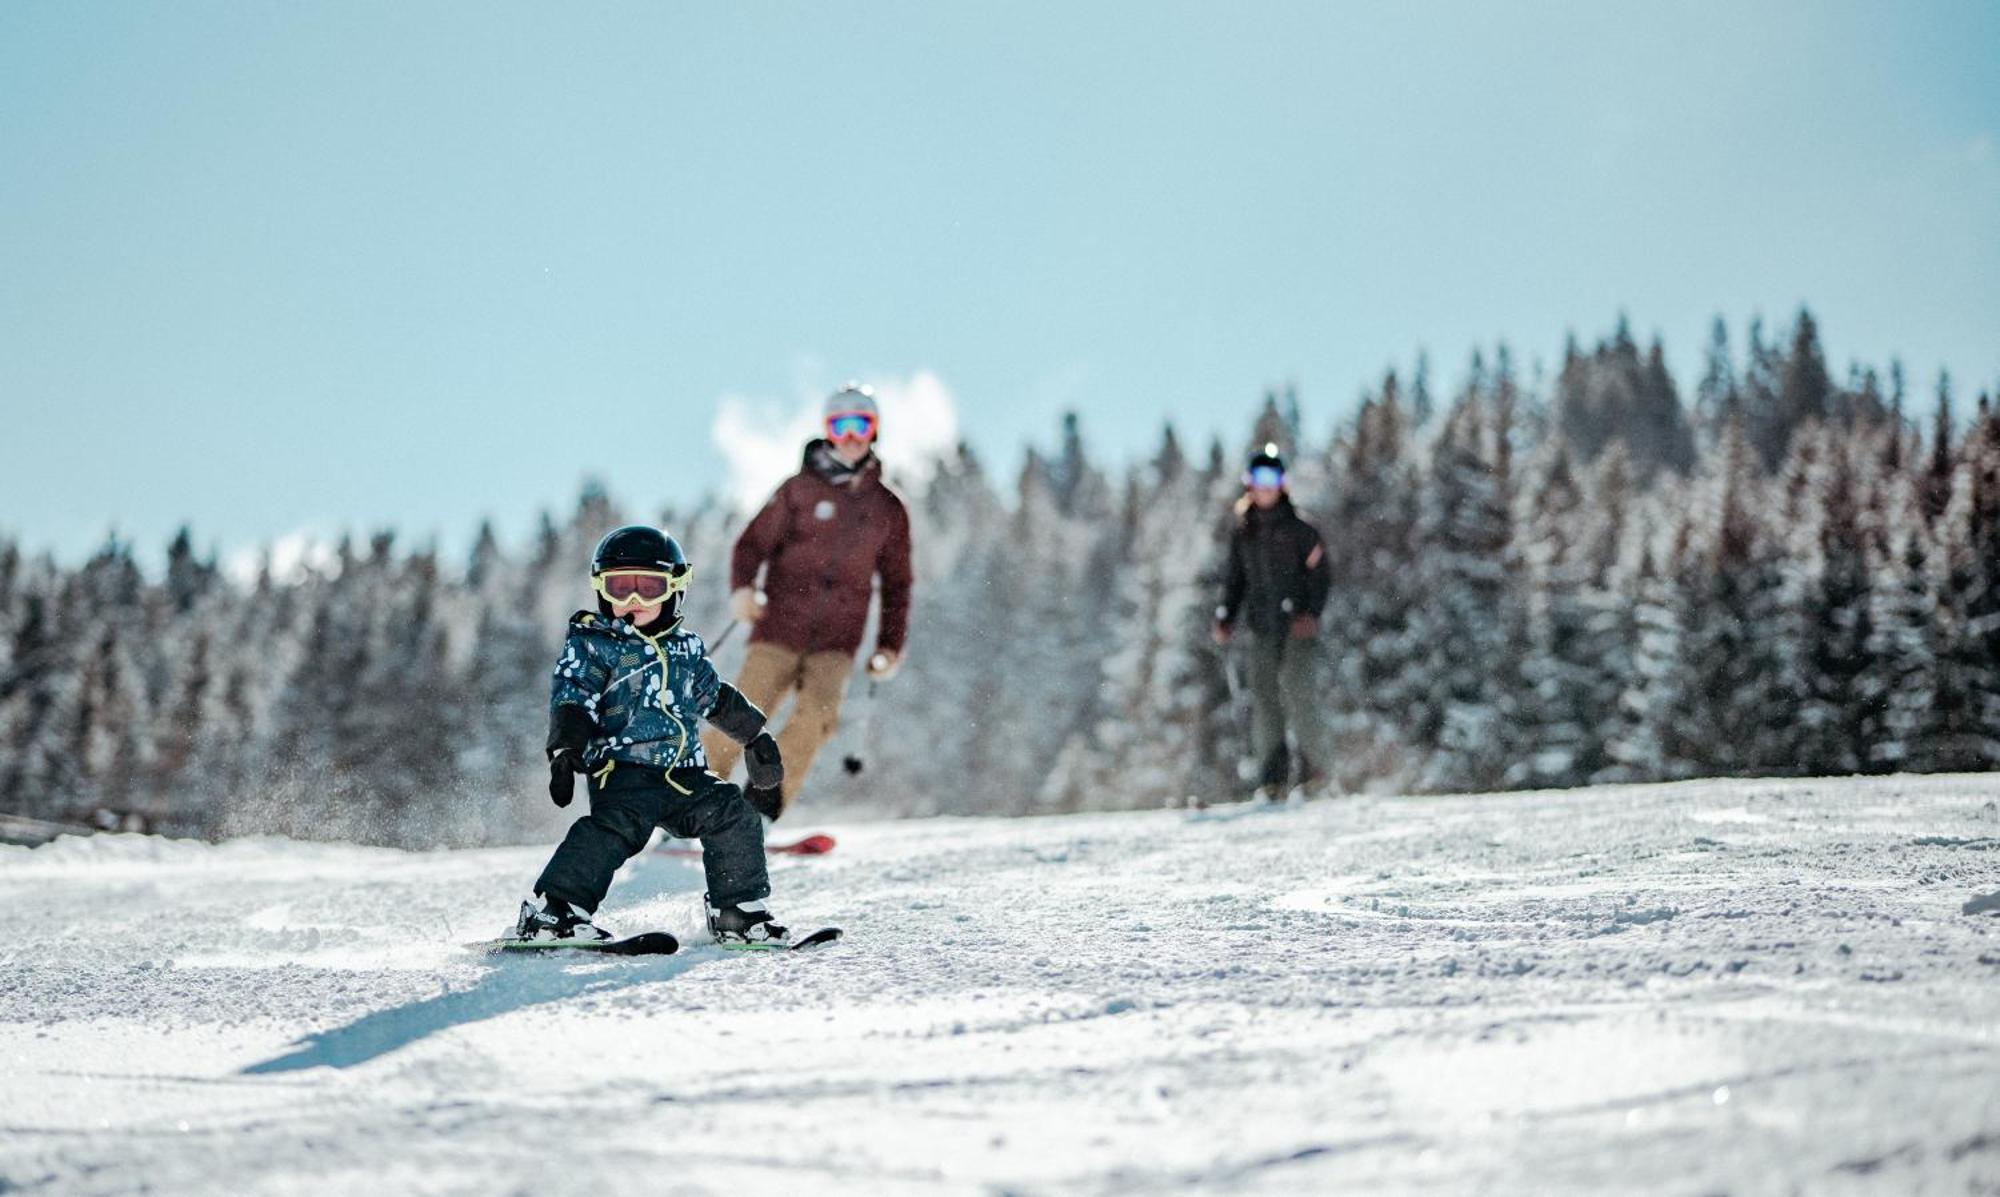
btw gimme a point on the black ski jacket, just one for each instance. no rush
(1277, 569)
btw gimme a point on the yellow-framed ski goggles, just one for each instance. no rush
(646, 587)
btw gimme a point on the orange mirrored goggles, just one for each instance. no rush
(647, 587)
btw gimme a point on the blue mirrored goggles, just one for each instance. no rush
(1264, 477)
(850, 424)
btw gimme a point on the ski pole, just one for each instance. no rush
(1231, 664)
(852, 762)
(724, 638)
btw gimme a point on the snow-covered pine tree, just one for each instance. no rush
(189, 578)
(1142, 749)
(1805, 388)
(1222, 733)
(506, 676)
(1733, 709)
(1900, 680)
(1659, 422)
(1421, 402)
(1644, 740)
(1834, 718)
(1982, 599)
(1564, 674)
(191, 709)
(1962, 734)
(1468, 615)
(937, 721)
(29, 653)
(1763, 419)
(1608, 526)
(1717, 400)
(1616, 395)
(1034, 571)
(1075, 609)
(409, 718)
(1371, 538)
(259, 640)
(108, 734)
(1941, 466)
(301, 788)
(41, 709)
(1273, 428)
(1861, 403)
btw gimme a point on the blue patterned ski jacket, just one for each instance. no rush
(647, 694)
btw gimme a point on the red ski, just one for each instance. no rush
(812, 845)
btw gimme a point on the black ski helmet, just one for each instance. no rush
(641, 546)
(1268, 458)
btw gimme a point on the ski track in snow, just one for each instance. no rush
(1709, 987)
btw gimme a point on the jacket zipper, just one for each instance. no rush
(666, 690)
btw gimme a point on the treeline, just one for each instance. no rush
(1538, 582)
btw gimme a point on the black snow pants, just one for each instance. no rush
(1284, 697)
(688, 803)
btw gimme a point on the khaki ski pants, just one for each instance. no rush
(770, 673)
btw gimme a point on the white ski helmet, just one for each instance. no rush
(850, 398)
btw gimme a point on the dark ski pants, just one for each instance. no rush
(1281, 673)
(688, 803)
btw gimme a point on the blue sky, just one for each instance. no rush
(314, 266)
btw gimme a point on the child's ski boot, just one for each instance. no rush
(556, 919)
(746, 925)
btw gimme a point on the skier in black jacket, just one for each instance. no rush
(1276, 584)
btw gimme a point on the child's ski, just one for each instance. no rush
(646, 943)
(821, 936)
(824, 935)
(812, 845)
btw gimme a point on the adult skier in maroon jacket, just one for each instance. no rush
(824, 538)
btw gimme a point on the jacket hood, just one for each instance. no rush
(820, 460)
(604, 623)
(1247, 510)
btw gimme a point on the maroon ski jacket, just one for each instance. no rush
(823, 538)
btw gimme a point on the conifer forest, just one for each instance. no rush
(1593, 573)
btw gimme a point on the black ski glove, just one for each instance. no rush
(564, 765)
(766, 767)
(769, 803)
(570, 729)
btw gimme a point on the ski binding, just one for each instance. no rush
(825, 935)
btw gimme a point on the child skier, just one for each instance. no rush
(629, 688)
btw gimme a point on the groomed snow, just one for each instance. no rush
(1763, 987)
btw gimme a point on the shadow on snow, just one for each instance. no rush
(513, 983)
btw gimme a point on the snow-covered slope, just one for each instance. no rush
(1740, 987)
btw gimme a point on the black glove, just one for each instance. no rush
(766, 767)
(768, 803)
(564, 765)
(570, 729)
